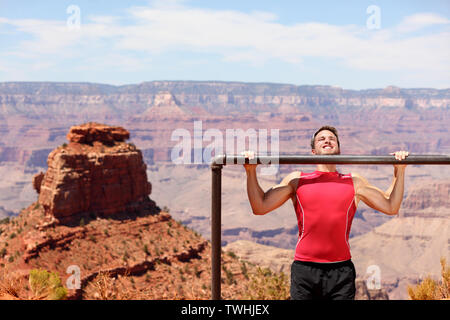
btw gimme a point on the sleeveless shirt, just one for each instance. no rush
(325, 209)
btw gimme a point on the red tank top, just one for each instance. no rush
(325, 208)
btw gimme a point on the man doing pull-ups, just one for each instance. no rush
(325, 203)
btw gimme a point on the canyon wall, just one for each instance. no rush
(35, 117)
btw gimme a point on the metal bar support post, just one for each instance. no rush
(216, 197)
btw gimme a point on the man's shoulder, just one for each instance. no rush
(355, 175)
(358, 180)
(293, 175)
(291, 178)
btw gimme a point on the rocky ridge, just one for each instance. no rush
(127, 256)
(121, 243)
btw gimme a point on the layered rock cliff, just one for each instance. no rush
(38, 114)
(97, 173)
(213, 96)
(428, 199)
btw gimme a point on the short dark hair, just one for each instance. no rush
(329, 128)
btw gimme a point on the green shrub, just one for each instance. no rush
(147, 252)
(229, 275)
(46, 285)
(4, 220)
(244, 270)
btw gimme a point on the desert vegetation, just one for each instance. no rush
(41, 285)
(431, 289)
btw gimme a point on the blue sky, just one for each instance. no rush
(351, 44)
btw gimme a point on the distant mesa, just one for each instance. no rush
(164, 105)
(165, 99)
(392, 89)
(96, 174)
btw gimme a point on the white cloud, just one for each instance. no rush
(47, 36)
(256, 38)
(421, 20)
(253, 38)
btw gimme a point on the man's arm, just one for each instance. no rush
(264, 202)
(391, 187)
(388, 202)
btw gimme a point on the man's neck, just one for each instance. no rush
(326, 167)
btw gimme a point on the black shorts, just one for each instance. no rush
(323, 281)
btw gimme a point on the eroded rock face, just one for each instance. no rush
(96, 173)
(37, 181)
(427, 199)
(90, 132)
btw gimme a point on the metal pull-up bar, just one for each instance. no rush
(216, 193)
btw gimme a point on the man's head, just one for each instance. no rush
(325, 141)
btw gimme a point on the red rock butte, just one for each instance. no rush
(96, 174)
(90, 132)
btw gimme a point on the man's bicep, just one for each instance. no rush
(280, 193)
(284, 188)
(276, 196)
(374, 197)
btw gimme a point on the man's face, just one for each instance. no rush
(325, 143)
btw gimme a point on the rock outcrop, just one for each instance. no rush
(427, 199)
(37, 181)
(138, 253)
(165, 106)
(97, 173)
(90, 132)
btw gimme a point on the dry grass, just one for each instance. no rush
(41, 285)
(430, 289)
(267, 285)
(105, 287)
(10, 285)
